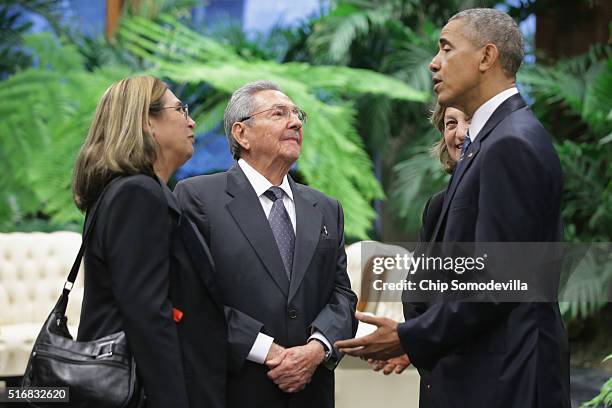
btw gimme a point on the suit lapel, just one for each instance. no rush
(308, 230)
(201, 259)
(246, 210)
(460, 170)
(507, 107)
(196, 248)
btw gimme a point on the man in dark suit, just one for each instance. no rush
(506, 188)
(278, 248)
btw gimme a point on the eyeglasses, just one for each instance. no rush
(282, 112)
(184, 108)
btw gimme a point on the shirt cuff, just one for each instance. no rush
(319, 336)
(260, 348)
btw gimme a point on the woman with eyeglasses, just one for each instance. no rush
(139, 276)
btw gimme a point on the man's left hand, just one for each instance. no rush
(383, 344)
(298, 366)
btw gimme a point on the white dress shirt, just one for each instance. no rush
(484, 112)
(260, 184)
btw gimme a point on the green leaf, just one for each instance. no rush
(333, 157)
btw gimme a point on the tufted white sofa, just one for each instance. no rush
(33, 268)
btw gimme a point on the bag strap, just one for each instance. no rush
(74, 271)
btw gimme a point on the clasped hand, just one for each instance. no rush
(291, 369)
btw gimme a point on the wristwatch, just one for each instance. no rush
(327, 351)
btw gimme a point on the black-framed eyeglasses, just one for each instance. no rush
(281, 112)
(184, 108)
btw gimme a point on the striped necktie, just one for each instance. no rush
(466, 144)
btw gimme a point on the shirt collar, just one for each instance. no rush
(484, 112)
(260, 183)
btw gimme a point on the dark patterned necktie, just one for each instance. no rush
(466, 144)
(281, 227)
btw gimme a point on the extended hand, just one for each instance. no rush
(297, 367)
(383, 344)
(396, 364)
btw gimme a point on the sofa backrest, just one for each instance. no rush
(33, 269)
(359, 267)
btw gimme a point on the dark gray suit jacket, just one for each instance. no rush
(506, 355)
(254, 286)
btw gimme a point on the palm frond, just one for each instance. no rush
(43, 131)
(587, 288)
(603, 399)
(334, 34)
(587, 174)
(416, 179)
(582, 83)
(333, 159)
(597, 109)
(209, 118)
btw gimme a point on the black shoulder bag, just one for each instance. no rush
(99, 373)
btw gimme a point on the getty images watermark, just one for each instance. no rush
(481, 272)
(421, 263)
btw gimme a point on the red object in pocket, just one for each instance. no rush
(177, 315)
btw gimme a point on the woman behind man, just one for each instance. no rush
(453, 126)
(136, 262)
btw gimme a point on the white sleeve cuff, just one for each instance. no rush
(319, 336)
(260, 348)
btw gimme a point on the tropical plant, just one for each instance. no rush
(12, 57)
(574, 102)
(586, 280)
(604, 398)
(58, 98)
(42, 125)
(333, 159)
(13, 27)
(578, 87)
(151, 9)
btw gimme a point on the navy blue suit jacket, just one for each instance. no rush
(497, 354)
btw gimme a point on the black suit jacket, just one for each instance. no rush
(202, 328)
(255, 287)
(135, 263)
(497, 354)
(429, 220)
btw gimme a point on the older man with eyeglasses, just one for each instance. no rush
(278, 247)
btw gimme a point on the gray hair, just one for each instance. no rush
(487, 25)
(241, 106)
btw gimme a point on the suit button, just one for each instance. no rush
(428, 387)
(292, 313)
